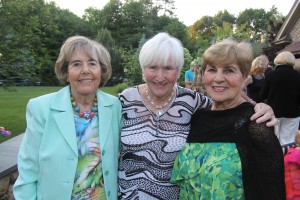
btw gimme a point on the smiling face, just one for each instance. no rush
(160, 80)
(223, 84)
(84, 74)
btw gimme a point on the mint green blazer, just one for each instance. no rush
(48, 154)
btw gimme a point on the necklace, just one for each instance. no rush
(86, 114)
(159, 108)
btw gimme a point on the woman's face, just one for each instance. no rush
(223, 84)
(160, 79)
(84, 74)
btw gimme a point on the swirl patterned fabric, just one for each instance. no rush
(150, 143)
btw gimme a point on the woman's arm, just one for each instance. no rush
(264, 113)
(28, 157)
(248, 80)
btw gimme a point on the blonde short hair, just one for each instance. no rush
(285, 58)
(229, 51)
(88, 46)
(259, 64)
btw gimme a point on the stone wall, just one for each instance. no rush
(6, 185)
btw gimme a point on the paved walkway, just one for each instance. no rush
(8, 155)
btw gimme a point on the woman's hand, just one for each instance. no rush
(264, 113)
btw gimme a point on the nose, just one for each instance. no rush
(160, 74)
(219, 77)
(85, 68)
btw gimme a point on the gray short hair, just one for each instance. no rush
(161, 49)
(91, 48)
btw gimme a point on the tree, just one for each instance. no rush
(254, 20)
(224, 17)
(166, 6)
(108, 17)
(104, 37)
(203, 27)
(20, 39)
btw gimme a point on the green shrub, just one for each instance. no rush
(120, 87)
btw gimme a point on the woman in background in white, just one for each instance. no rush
(282, 92)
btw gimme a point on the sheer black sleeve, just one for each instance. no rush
(266, 154)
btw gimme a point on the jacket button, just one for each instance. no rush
(106, 173)
(103, 152)
(108, 193)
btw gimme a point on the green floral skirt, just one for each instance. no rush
(208, 171)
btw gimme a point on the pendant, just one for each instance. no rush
(159, 113)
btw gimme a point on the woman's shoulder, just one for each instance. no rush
(182, 91)
(131, 93)
(106, 95)
(106, 98)
(193, 98)
(44, 98)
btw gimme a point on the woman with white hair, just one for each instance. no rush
(282, 92)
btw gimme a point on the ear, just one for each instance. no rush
(143, 77)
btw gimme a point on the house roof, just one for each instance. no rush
(288, 24)
(293, 48)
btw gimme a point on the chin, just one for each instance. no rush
(88, 91)
(218, 100)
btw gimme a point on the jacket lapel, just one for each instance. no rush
(105, 116)
(64, 117)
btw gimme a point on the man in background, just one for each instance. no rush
(189, 76)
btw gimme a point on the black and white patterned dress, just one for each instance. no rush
(150, 144)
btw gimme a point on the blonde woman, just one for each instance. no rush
(226, 155)
(255, 80)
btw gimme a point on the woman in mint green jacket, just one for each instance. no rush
(71, 144)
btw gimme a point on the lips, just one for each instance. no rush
(219, 88)
(85, 80)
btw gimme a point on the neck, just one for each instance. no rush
(225, 105)
(86, 108)
(164, 102)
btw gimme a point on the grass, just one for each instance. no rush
(13, 103)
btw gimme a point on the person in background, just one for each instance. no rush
(227, 156)
(281, 91)
(256, 78)
(297, 65)
(189, 76)
(156, 121)
(71, 143)
(292, 170)
(269, 68)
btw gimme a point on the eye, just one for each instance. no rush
(210, 69)
(169, 68)
(152, 67)
(93, 64)
(229, 70)
(76, 65)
